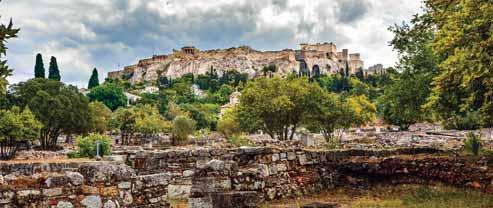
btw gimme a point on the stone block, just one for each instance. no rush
(178, 191)
(6, 197)
(52, 192)
(291, 156)
(281, 167)
(89, 189)
(64, 204)
(125, 185)
(275, 157)
(92, 201)
(75, 178)
(283, 156)
(110, 204)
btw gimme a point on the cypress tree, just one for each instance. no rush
(39, 68)
(94, 80)
(53, 72)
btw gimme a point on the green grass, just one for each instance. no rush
(405, 196)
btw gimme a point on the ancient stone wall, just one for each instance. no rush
(227, 177)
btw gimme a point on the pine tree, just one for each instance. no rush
(39, 68)
(53, 72)
(94, 80)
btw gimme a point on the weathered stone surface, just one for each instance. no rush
(75, 177)
(52, 192)
(64, 204)
(92, 201)
(178, 191)
(109, 204)
(104, 172)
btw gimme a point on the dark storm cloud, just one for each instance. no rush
(349, 11)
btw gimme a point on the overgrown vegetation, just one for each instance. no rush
(87, 146)
(473, 144)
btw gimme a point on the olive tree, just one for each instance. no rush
(15, 127)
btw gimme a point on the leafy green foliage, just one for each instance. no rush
(94, 80)
(149, 122)
(123, 120)
(182, 128)
(16, 126)
(401, 104)
(228, 124)
(464, 46)
(61, 108)
(53, 71)
(239, 140)
(87, 145)
(110, 94)
(277, 106)
(6, 32)
(39, 68)
(204, 114)
(473, 143)
(100, 117)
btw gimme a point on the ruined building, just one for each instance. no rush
(310, 60)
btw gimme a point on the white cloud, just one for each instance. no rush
(92, 33)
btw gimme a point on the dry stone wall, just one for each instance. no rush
(227, 177)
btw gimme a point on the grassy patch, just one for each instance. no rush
(405, 196)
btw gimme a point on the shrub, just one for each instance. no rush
(228, 125)
(473, 144)
(239, 140)
(87, 145)
(182, 127)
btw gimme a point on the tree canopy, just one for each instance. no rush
(53, 71)
(94, 80)
(110, 94)
(39, 68)
(16, 126)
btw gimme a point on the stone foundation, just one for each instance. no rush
(228, 177)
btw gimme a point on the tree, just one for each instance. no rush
(39, 68)
(463, 43)
(228, 124)
(401, 103)
(16, 126)
(61, 108)
(123, 120)
(364, 110)
(205, 115)
(53, 71)
(100, 116)
(94, 80)
(182, 127)
(277, 106)
(6, 32)
(110, 94)
(149, 122)
(331, 113)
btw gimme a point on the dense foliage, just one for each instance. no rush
(182, 128)
(6, 32)
(94, 80)
(53, 71)
(16, 126)
(110, 94)
(87, 146)
(39, 68)
(61, 108)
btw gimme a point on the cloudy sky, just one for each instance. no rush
(106, 34)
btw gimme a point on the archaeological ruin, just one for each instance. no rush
(309, 60)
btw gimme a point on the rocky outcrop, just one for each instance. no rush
(309, 60)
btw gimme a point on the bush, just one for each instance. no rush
(182, 127)
(87, 145)
(473, 144)
(239, 140)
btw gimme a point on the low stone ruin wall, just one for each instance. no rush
(228, 177)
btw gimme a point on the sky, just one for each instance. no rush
(110, 34)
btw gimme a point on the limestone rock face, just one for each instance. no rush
(309, 60)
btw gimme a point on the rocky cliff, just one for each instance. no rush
(313, 59)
